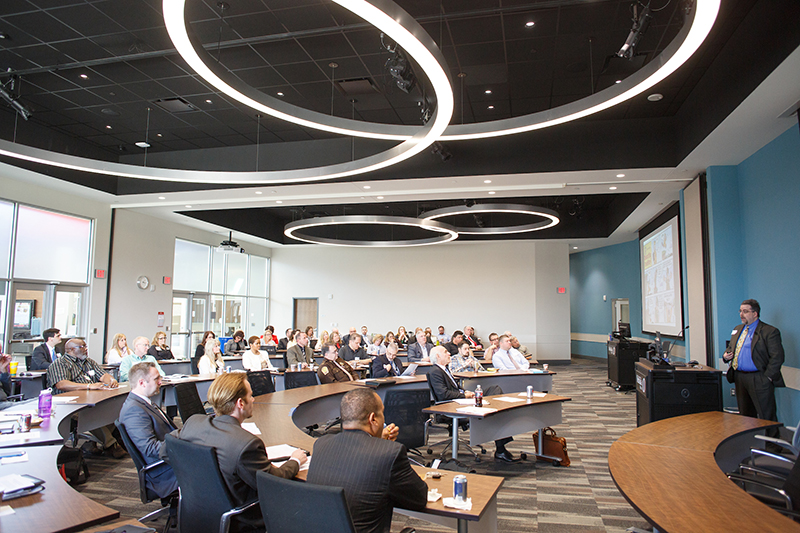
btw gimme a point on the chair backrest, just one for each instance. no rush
(188, 400)
(294, 380)
(404, 409)
(271, 349)
(28, 362)
(194, 361)
(285, 360)
(261, 382)
(433, 392)
(204, 496)
(138, 461)
(279, 499)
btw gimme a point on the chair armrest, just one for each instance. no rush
(745, 479)
(15, 398)
(225, 519)
(763, 453)
(143, 479)
(761, 471)
(780, 442)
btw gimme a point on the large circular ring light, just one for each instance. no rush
(550, 217)
(444, 232)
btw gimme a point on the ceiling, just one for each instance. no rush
(89, 70)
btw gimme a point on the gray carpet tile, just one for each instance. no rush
(536, 496)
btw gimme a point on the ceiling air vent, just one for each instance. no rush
(175, 105)
(356, 87)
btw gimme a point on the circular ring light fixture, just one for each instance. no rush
(550, 217)
(444, 232)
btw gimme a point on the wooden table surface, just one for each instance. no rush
(451, 408)
(667, 471)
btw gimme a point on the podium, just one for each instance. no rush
(667, 392)
(622, 357)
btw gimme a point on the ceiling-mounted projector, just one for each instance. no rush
(230, 246)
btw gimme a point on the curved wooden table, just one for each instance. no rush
(668, 471)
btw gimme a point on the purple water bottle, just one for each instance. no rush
(45, 403)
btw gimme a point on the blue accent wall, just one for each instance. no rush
(754, 230)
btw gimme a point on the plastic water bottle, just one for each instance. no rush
(45, 403)
(478, 396)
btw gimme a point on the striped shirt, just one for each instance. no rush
(75, 370)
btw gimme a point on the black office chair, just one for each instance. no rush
(403, 408)
(261, 382)
(188, 400)
(205, 504)
(193, 362)
(780, 493)
(142, 468)
(448, 422)
(294, 380)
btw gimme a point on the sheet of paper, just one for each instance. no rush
(476, 410)
(13, 482)
(20, 437)
(469, 401)
(6, 510)
(280, 450)
(508, 399)
(251, 427)
(22, 458)
(304, 466)
(535, 394)
(60, 398)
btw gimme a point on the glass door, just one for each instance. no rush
(199, 319)
(31, 313)
(67, 315)
(180, 340)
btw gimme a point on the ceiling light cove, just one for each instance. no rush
(296, 230)
(550, 217)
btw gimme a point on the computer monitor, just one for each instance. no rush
(624, 329)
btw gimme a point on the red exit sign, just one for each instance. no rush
(561, 290)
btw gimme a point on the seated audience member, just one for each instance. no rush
(350, 333)
(312, 341)
(75, 371)
(402, 336)
(494, 344)
(201, 348)
(324, 338)
(365, 336)
(353, 348)
(365, 460)
(283, 344)
(237, 345)
(293, 339)
(334, 368)
(377, 347)
(507, 358)
(471, 338)
(119, 349)
(211, 362)
(301, 353)
(336, 340)
(443, 337)
(430, 338)
(521, 348)
(45, 353)
(147, 425)
(240, 454)
(159, 348)
(419, 352)
(453, 345)
(254, 359)
(389, 339)
(269, 338)
(5, 381)
(464, 361)
(387, 365)
(139, 355)
(445, 387)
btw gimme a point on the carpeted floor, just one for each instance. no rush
(534, 497)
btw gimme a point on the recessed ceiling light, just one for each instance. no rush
(188, 206)
(280, 93)
(487, 181)
(491, 192)
(612, 188)
(487, 91)
(490, 107)
(259, 192)
(278, 201)
(84, 76)
(618, 81)
(367, 187)
(162, 197)
(108, 127)
(380, 197)
(142, 144)
(159, 135)
(620, 175)
(574, 247)
(529, 24)
(655, 97)
(208, 101)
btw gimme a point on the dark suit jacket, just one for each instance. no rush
(296, 354)
(443, 387)
(415, 351)
(147, 428)
(375, 474)
(379, 372)
(283, 343)
(767, 351)
(240, 454)
(40, 359)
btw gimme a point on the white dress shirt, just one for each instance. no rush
(502, 360)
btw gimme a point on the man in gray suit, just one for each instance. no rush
(301, 353)
(365, 460)
(420, 350)
(147, 425)
(240, 454)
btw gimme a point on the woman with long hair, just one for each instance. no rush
(211, 362)
(119, 349)
(159, 348)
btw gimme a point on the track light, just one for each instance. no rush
(12, 100)
(441, 150)
(400, 69)
(641, 21)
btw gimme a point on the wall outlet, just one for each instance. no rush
(733, 391)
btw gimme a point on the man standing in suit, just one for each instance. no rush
(755, 354)
(301, 353)
(365, 460)
(240, 454)
(445, 387)
(420, 351)
(387, 365)
(44, 354)
(147, 426)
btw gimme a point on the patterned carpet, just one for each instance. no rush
(540, 497)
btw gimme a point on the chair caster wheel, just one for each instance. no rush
(477, 458)
(483, 451)
(523, 456)
(430, 451)
(556, 462)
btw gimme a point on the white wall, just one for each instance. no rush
(695, 276)
(145, 246)
(492, 286)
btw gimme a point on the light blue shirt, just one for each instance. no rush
(129, 360)
(746, 352)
